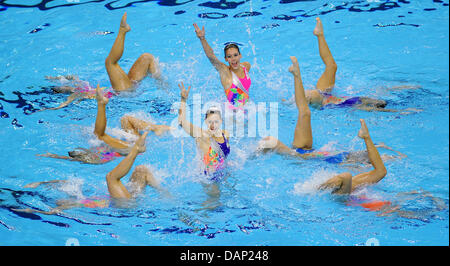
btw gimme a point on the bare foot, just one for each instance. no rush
(123, 23)
(267, 143)
(161, 129)
(363, 132)
(318, 30)
(140, 143)
(100, 97)
(294, 68)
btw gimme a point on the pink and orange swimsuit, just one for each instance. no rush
(237, 94)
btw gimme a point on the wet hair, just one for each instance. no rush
(230, 45)
(212, 111)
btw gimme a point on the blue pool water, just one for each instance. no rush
(267, 200)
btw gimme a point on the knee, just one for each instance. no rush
(108, 62)
(141, 169)
(345, 176)
(140, 174)
(332, 66)
(109, 177)
(148, 57)
(382, 172)
(125, 120)
(269, 142)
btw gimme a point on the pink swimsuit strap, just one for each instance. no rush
(246, 81)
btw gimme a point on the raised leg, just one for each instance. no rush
(303, 132)
(100, 123)
(273, 144)
(135, 125)
(340, 184)
(144, 65)
(379, 171)
(119, 79)
(115, 186)
(327, 80)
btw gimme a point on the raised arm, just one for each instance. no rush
(188, 127)
(208, 50)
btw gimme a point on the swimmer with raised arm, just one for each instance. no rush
(322, 96)
(302, 145)
(234, 76)
(113, 147)
(213, 142)
(140, 178)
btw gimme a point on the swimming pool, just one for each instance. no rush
(267, 200)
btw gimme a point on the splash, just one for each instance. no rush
(311, 186)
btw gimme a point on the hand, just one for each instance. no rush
(184, 92)
(200, 32)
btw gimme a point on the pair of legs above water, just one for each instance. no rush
(322, 96)
(345, 183)
(114, 146)
(144, 65)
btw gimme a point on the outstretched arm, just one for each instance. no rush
(56, 156)
(384, 146)
(70, 99)
(188, 127)
(36, 184)
(208, 50)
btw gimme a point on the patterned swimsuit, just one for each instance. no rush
(237, 94)
(214, 159)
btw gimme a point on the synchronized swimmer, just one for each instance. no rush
(145, 65)
(213, 142)
(322, 96)
(235, 79)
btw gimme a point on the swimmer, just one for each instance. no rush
(322, 96)
(114, 147)
(388, 208)
(81, 91)
(145, 65)
(213, 142)
(140, 178)
(303, 139)
(345, 183)
(234, 76)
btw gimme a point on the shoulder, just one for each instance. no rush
(226, 133)
(247, 65)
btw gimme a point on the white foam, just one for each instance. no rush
(311, 186)
(73, 187)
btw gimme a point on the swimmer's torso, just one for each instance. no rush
(237, 87)
(215, 154)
